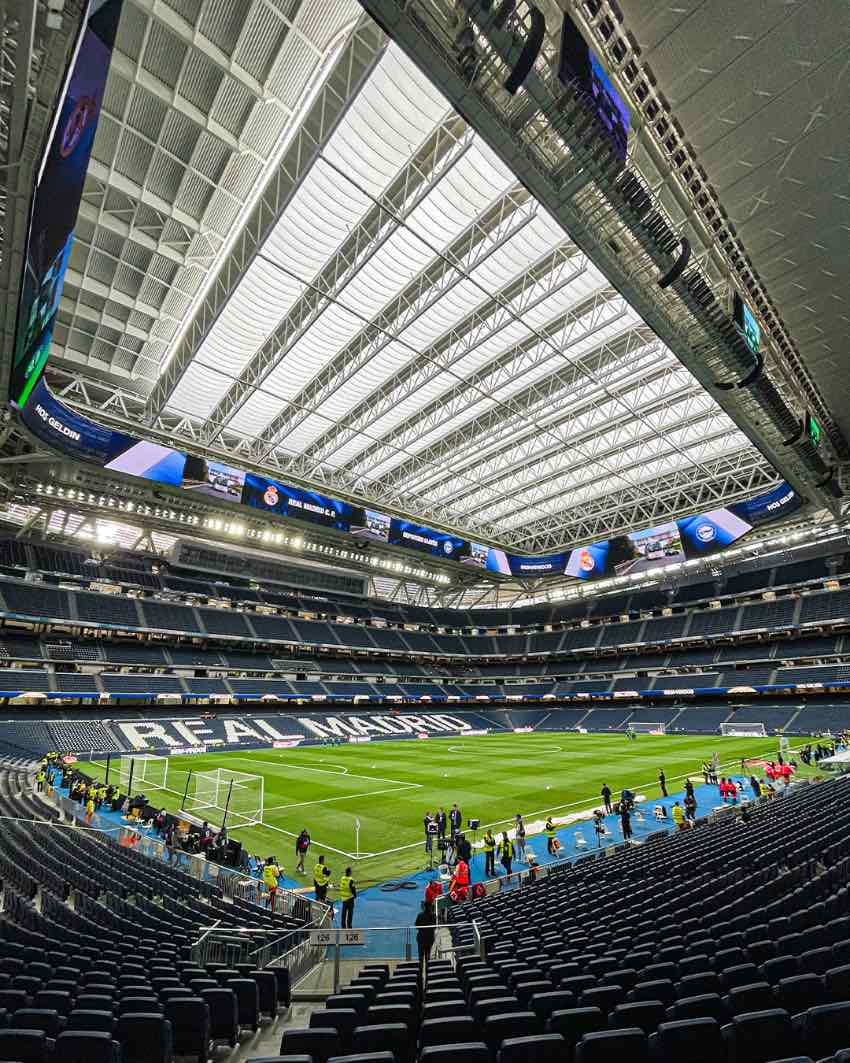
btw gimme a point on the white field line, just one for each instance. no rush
(348, 774)
(557, 808)
(346, 797)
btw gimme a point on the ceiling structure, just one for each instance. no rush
(762, 93)
(293, 254)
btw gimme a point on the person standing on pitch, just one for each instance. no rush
(427, 820)
(550, 836)
(662, 782)
(489, 853)
(626, 822)
(455, 820)
(519, 834)
(441, 823)
(506, 853)
(347, 894)
(606, 797)
(302, 844)
(321, 880)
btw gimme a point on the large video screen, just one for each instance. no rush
(578, 64)
(71, 433)
(56, 198)
(710, 533)
(427, 540)
(274, 497)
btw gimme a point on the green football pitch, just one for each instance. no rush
(390, 785)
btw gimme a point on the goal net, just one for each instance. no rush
(225, 797)
(743, 730)
(648, 728)
(140, 771)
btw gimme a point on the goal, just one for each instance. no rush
(137, 771)
(225, 797)
(649, 728)
(743, 730)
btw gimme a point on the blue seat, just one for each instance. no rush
(696, 1040)
(608, 1045)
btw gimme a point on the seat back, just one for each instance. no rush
(608, 1045)
(696, 1040)
(145, 1037)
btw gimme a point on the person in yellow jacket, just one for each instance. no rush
(489, 853)
(321, 879)
(550, 836)
(347, 893)
(678, 814)
(271, 873)
(39, 780)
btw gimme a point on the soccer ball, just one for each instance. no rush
(445, 775)
(548, 787)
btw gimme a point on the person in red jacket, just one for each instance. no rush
(459, 885)
(433, 890)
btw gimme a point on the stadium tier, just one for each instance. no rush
(146, 642)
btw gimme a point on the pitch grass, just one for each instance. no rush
(389, 786)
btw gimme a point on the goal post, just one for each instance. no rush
(225, 797)
(743, 730)
(139, 770)
(649, 728)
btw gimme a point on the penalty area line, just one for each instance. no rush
(346, 773)
(343, 797)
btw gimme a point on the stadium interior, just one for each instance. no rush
(414, 404)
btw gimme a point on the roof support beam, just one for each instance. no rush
(443, 149)
(356, 60)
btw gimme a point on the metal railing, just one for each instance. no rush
(233, 884)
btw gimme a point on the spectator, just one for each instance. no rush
(519, 835)
(678, 814)
(302, 844)
(425, 933)
(626, 821)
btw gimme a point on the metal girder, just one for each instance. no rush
(546, 344)
(627, 457)
(596, 217)
(562, 391)
(358, 57)
(500, 224)
(599, 432)
(443, 149)
(668, 496)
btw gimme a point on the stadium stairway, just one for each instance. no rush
(729, 943)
